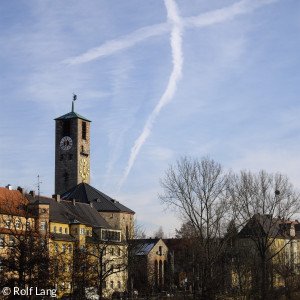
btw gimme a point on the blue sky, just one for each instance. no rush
(159, 79)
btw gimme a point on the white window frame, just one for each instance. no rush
(18, 224)
(7, 223)
(43, 225)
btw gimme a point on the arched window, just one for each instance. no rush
(160, 272)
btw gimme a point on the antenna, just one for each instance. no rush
(39, 186)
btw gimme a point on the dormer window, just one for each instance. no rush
(18, 224)
(82, 231)
(7, 223)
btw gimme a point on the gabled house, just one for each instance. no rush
(148, 264)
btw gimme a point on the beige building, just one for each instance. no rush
(148, 265)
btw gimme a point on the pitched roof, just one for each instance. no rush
(12, 202)
(67, 212)
(72, 115)
(267, 226)
(62, 237)
(85, 193)
(143, 246)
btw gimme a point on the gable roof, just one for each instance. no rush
(267, 226)
(143, 246)
(85, 193)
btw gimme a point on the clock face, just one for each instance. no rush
(66, 143)
(84, 169)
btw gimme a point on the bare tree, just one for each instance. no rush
(197, 191)
(263, 203)
(24, 248)
(159, 233)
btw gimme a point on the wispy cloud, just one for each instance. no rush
(177, 56)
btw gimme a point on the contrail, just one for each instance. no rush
(177, 57)
(127, 41)
(202, 20)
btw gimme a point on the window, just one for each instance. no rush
(112, 284)
(18, 224)
(2, 242)
(112, 251)
(55, 285)
(69, 268)
(94, 250)
(119, 284)
(63, 248)
(83, 130)
(63, 286)
(104, 284)
(69, 286)
(43, 226)
(63, 267)
(66, 127)
(60, 229)
(1, 265)
(11, 242)
(112, 268)
(66, 230)
(82, 230)
(54, 229)
(7, 223)
(119, 251)
(75, 231)
(27, 225)
(56, 248)
(70, 248)
(87, 232)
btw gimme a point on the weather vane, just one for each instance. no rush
(74, 99)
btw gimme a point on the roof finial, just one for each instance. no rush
(74, 99)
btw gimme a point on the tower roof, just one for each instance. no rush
(72, 115)
(85, 193)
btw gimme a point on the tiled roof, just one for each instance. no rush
(13, 203)
(85, 193)
(72, 115)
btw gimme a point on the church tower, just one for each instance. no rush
(72, 151)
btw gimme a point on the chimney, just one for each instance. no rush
(9, 187)
(74, 201)
(91, 204)
(56, 197)
(32, 193)
(21, 190)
